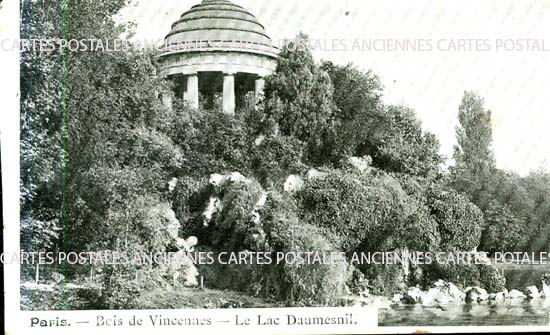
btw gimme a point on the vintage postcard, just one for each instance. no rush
(275, 167)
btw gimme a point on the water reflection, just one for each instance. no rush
(510, 312)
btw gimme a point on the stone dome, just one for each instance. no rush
(219, 25)
(217, 46)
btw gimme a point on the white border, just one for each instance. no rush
(17, 322)
(9, 127)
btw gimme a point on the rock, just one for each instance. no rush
(188, 244)
(476, 294)
(192, 241)
(376, 301)
(381, 302)
(58, 277)
(515, 294)
(455, 292)
(259, 140)
(236, 177)
(397, 298)
(360, 163)
(442, 293)
(435, 296)
(71, 286)
(214, 206)
(256, 238)
(257, 207)
(532, 292)
(37, 287)
(216, 179)
(315, 174)
(293, 184)
(413, 296)
(172, 184)
(181, 266)
(500, 296)
(545, 290)
(164, 210)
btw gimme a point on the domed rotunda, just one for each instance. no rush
(217, 47)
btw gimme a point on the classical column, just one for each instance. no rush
(228, 93)
(259, 89)
(192, 94)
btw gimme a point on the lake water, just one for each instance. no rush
(509, 313)
(488, 313)
(519, 277)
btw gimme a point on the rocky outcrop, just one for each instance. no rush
(360, 163)
(293, 184)
(531, 292)
(413, 296)
(181, 267)
(371, 300)
(500, 296)
(515, 294)
(454, 292)
(442, 293)
(397, 298)
(545, 285)
(214, 206)
(545, 290)
(315, 174)
(187, 244)
(218, 180)
(476, 294)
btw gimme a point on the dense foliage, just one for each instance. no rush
(105, 165)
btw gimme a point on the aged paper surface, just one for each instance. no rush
(275, 167)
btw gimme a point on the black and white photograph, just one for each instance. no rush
(272, 167)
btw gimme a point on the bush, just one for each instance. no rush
(247, 278)
(214, 142)
(464, 275)
(339, 204)
(361, 210)
(386, 279)
(234, 223)
(490, 279)
(188, 200)
(302, 284)
(295, 284)
(121, 292)
(312, 283)
(418, 232)
(276, 158)
(459, 220)
(503, 230)
(123, 286)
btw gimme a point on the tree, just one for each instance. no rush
(474, 158)
(94, 131)
(360, 210)
(357, 96)
(537, 232)
(502, 231)
(459, 221)
(299, 101)
(396, 142)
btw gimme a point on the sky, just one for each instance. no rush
(426, 53)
